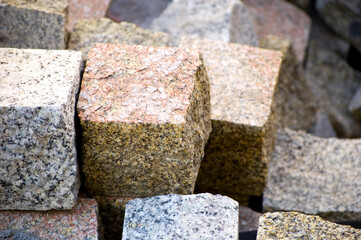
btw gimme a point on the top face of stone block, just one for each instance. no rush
(58, 6)
(137, 84)
(33, 78)
(201, 216)
(292, 225)
(242, 79)
(87, 32)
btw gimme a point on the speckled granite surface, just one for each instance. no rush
(334, 83)
(78, 223)
(280, 18)
(38, 167)
(226, 20)
(87, 32)
(33, 24)
(145, 116)
(80, 9)
(248, 219)
(112, 210)
(295, 103)
(200, 216)
(315, 176)
(292, 225)
(243, 81)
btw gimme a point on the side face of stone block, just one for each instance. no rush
(292, 225)
(225, 20)
(306, 171)
(33, 24)
(201, 216)
(243, 81)
(87, 32)
(38, 165)
(79, 223)
(145, 116)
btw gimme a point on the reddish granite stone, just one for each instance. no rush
(278, 17)
(78, 223)
(248, 219)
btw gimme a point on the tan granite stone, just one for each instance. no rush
(87, 32)
(315, 176)
(280, 18)
(292, 225)
(79, 223)
(243, 81)
(145, 117)
(80, 9)
(33, 24)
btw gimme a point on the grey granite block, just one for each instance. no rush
(292, 225)
(243, 80)
(33, 24)
(201, 216)
(226, 20)
(87, 32)
(323, 127)
(355, 105)
(38, 167)
(315, 176)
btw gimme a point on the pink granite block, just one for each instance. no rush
(278, 17)
(78, 223)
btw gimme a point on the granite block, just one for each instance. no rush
(355, 105)
(112, 210)
(145, 117)
(280, 18)
(200, 216)
(334, 83)
(17, 235)
(295, 102)
(38, 163)
(79, 223)
(315, 176)
(292, 225)
(33, 24)
(248, 219)
(80, 9)
(323, 127)
(243, 80)
(226, 20)
(87, 32)
(140, 12)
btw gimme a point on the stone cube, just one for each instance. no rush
(38, 157)
(145, 117)
(243, 80)
(33, 24)
(87, 32)
(315, 176)
(226, 20)
(79, 223)
(201, 216)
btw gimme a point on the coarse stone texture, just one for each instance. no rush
(355, 104)
(87, 32)
(17, 235)
(33, 24)
(315, 176)
(225, 20)
(323, 127)
(200, 216)
(80, 9)
(248, 219)
(112, 210)
(38, 163)
(295, 103)
(140, 12)
(343, 18)
(293, 225)
(243, 81)
(145, 117)
(334, 83)
(280, 18)
(79, 223)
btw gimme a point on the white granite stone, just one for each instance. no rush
(200, 216)
(38, 167)
(225, 20)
